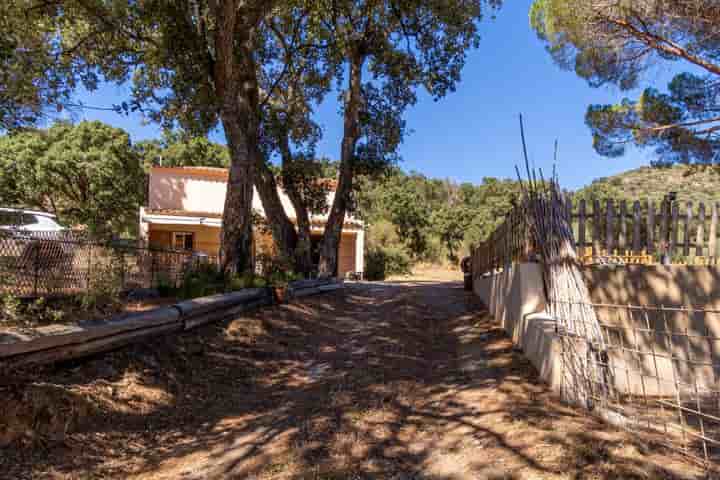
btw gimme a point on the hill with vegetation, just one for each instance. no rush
(692, 183)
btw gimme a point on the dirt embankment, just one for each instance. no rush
(396, 381)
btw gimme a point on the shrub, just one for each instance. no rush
(104, 289)
(10, 308)
(204, 279)
(164, 285)
(281, 278)
(237, 282)
(382, 262)
(41, 311)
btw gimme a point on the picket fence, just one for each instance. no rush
(612, 231)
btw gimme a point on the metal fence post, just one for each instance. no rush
(152, 269)
(122, 269)
(89, 269)
(36, 269)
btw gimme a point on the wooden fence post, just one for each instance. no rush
(674, 227)
(700, 235)
(664, 226)
(581, 226)
(637, 241)
(597, 242)
(687, 225)
(609, 232)
(651, 227)
(712, 240)
(622, 240)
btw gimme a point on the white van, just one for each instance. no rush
(15, 219)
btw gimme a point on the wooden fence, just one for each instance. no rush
(616, 232)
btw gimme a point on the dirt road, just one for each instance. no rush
(393, 381)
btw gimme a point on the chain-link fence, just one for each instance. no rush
(657, 374)
(36, 264)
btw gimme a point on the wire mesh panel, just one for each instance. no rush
(662, 368)
(34, 264)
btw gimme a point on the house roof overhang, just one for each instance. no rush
(210, 219)
(178, 217)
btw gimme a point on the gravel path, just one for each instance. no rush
(406, 380)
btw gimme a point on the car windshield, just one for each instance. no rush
(29, 219)
(9, 219)
(24, 219)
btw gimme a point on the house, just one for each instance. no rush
(184, 212)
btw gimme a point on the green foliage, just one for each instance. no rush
(236, 282)
(409, 214)
(10, 308)
(202, 280)
(281, 278)
(178, 149)
(259, 282)
(164, 286)
(39, 311)
(658, 120)
(617, 45)
(429, 220)
(450, 223)
(34, 77)
(104, 289)
(87, 174)
(694, 183)
(381, 262)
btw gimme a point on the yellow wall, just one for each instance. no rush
(207, 239)
(346, 254)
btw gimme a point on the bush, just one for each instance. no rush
(205, 279)
(165, 287)
(382, 262)
(10, 308)
(238, 282)
(104, 289)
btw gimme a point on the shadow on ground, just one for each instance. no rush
(407, 380)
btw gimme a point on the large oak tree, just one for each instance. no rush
(87, 174)
(193, 63)
(388, 49)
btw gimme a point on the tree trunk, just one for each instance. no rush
(282, 228)
(235, 79)
(236, 241)
(351, 132)
(303, 247)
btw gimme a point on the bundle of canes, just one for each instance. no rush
(569, 299)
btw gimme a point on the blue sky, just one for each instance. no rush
(473, 132)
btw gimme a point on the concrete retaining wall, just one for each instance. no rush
(515, 297)
(512, 295)
(65, 342)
